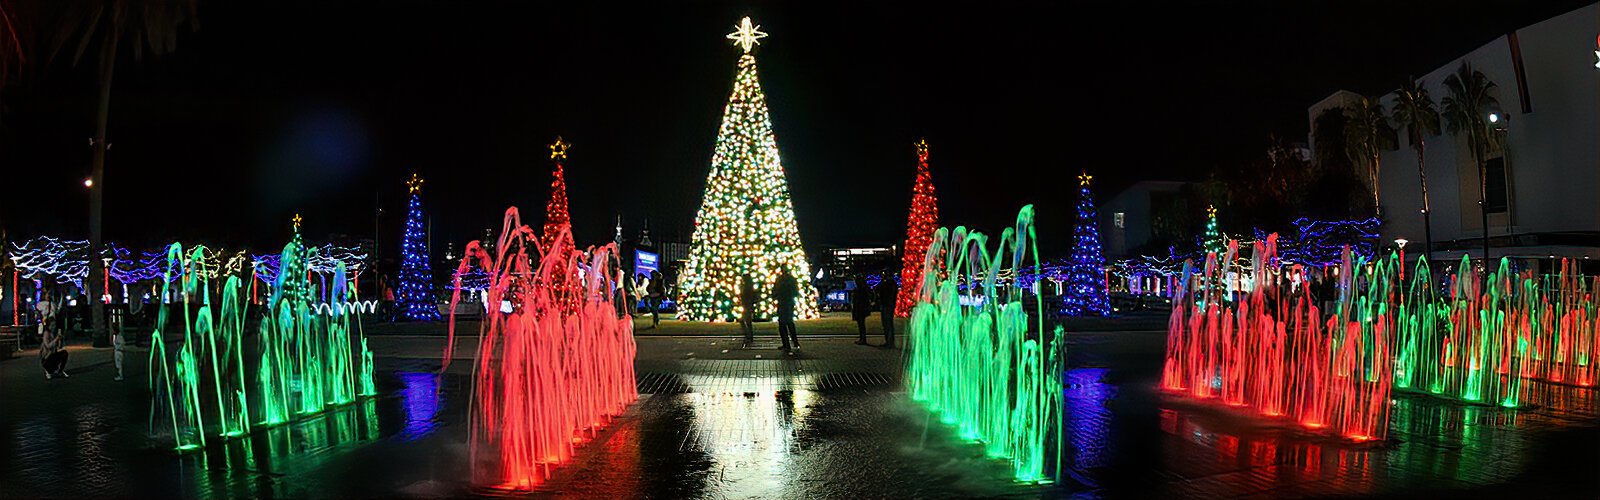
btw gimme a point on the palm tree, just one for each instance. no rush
(1367, 134)
(1464, 112)
(111, 26)
(12, 52)
(1414, 111)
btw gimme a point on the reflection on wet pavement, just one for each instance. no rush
(782, 429)
(805, 428)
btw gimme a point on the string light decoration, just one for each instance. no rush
(1213, 242)
(745, 226)
(323, 260)
(556, 217)
(415, 297)
(920, 226)
(746, 36)
(556, 222)
(62, 260)
(1321, 243)
(1086, 279)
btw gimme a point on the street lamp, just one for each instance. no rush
(1401, 242)
(105, 281)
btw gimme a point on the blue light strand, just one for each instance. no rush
(1085, 291)
(414, 299)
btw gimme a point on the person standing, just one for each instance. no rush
(117, 345)
(388, 299)
(747, 301)
(784, 291)
(860, 308)
(658, 292)
(888, 292)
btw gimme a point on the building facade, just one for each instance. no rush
(1543, 179)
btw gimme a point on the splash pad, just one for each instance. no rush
(555, 359)
(309, 356)
(1275, 352)
(978, 359)
(1477, 342)
(1480, 339)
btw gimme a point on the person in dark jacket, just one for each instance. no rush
(888, 292)
(784, 291)
(658, 293)
(861, 307)
(748, 300)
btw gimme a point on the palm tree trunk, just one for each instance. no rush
(1427, 208)
(1483, 210)
(97, 306)
(1377, 206)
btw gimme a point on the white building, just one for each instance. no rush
(1128, 220)
(1544, 184)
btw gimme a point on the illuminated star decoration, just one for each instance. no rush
(746, 36)
(558, 151)
(1211, 211)
(922, 149)
(415, 184)
(1084, 178)
(296, 220)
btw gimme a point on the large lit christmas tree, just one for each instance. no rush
(920, 226)
(1086, 284)
(414, 300)
(745, 228)
(555, 213)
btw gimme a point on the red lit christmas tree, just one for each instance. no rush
(555, 213)
(920, 226)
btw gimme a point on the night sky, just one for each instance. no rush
(324, 108)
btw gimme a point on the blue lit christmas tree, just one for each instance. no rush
(1085, 293)
(415, 297)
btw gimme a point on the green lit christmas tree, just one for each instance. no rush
(745, 227)
(1213, 238)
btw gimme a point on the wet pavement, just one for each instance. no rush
(717, 420)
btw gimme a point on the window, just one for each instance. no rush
(1494, 184)
(1119, 218)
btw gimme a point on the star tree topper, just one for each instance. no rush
(922, 149)
(296, 221)
(415, 184)
(558, 151)
(746, 36)
(1084, 178)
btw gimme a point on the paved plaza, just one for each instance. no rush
(717, 419)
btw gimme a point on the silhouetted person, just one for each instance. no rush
(784, 291)
(657, 290)
(888, 292)
(860, 308)
(747, 300)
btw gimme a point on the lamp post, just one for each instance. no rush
(105, 280)
(95, 279)
(1401, 242)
